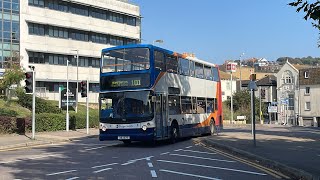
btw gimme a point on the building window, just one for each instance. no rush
(115, 17)
(307, 91)
(38, 3)
(58, 32)
(130, 20)
(287, 77)
(307, 106)
(291, 102)
(36, 29)
(306, 74)
(228, 87)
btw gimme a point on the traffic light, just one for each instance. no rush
(83, 87)
(29, 82)
(263, 93)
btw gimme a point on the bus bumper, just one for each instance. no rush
(134, 134)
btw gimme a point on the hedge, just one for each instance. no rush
(50, 122)
(8, 112)
(42, 106)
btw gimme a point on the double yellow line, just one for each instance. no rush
(269, 171)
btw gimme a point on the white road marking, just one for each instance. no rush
(31, 158)
(73, 178)
(196, 157)
(94, 148)
(106, 169)
(214, 167)
(62, 172)
(103, 165)
(135, 160)
(188, 147)
(153, 173)
(187, 174)
(178, 150)
(201, 152)
(164, 153)
(150, 164)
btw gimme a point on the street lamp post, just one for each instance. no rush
(67, 114)
(157, 41)
(77, 79)
(240, 70)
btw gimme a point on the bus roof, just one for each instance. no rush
(195, 59)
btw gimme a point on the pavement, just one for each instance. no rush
(15, 141)
(294, 151)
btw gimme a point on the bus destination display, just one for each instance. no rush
(124, 81)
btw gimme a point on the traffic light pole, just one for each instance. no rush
(33, 104)
(87, 98)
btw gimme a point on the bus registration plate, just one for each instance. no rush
(123, 137)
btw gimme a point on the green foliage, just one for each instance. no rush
(42, 106)
(8, 112)
(305, 60)
(14, 75)
(7, 125)
(242, 106)
(50, 122)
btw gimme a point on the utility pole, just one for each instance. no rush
(67, 114)
(231, 98)
(260, 104)
(87, 98)
(253, 118)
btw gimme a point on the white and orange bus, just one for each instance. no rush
(148, 93)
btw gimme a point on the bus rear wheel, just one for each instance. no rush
(212, 127)
(174, 133)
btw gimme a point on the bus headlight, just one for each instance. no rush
(144, 127)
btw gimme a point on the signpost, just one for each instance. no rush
(252, 86)
(231, 67)
(72, 97)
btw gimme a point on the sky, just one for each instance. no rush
(219, 30)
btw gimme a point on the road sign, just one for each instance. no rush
(285, 101)
(72, 97)
(252, 86)
(231, 67)
(272, 109)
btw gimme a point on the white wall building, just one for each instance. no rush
(54, 31)
(226, 84)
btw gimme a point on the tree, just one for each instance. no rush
(242, 104)
(312, 10)
(13, 73)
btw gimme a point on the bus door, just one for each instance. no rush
(161, 116)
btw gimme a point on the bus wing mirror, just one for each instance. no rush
(153, 99)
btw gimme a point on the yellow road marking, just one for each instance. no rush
(269, 171)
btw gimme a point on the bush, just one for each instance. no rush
(50, 122)
(42, 106)
(8, 112)
(7, 125)
(80, 119)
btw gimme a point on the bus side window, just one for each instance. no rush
(194, 105)
(171, 63)
(201, 105)
(192, 71)
(174, 104)
(208, 73)
(199, 70)
(215, 74)
(210, 105)
(159, 62)
(186, 105)
(184, 66)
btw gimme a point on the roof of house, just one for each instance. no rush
(301, 66)
(268, 80)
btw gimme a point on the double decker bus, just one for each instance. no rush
(148, 93)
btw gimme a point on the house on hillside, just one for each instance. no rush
(227, 85)
(309, 92)
(288, 94)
